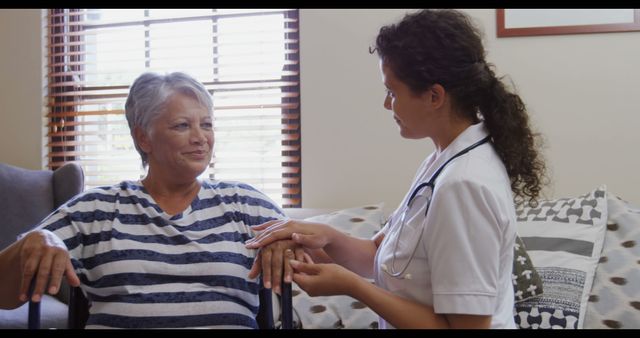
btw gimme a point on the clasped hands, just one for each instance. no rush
(285, 246)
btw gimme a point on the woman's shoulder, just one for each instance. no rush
(107, 192)
(473, 177)
(115, 188)
(237, 192)
(222, 186)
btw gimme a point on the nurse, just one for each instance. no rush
(444, 258)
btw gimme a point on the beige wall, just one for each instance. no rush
(583, 92)
(21, 71)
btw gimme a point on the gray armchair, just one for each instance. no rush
(26, 197)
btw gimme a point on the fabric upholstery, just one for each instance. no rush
(339, 312)
(564, 238)
(26, 197)
(526, 280)
(614, 300)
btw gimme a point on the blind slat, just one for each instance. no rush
(227, 14)
(220, 86)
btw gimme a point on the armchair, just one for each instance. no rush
(26, 197)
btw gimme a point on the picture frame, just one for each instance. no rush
(535, 22)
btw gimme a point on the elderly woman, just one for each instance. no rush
(166, 251)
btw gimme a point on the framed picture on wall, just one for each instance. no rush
(531, 22)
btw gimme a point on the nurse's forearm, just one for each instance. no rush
(353, 253)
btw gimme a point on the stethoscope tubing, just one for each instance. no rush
(435, 175)
(431, 183)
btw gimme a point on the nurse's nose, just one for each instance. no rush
(387, 102)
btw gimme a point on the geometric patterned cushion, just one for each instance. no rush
(614, 301)
(564, 238)
(526, 280)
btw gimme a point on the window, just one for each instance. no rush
(247, 58)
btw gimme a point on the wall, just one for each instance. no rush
(21, 97)
(582, 91)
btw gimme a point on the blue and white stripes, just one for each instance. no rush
(143, 268)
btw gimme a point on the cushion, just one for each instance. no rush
(526, 280)
(327, 312)
(614, 301)
(564, 238)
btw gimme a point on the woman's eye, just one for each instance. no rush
(206, 125)
(389, 93)
(181, 126)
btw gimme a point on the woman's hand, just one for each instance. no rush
(45, 257)
(324, 279)
(273, 259)
(308, 234)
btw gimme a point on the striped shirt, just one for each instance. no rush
(142, 268)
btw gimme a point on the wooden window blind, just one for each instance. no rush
(247, 58)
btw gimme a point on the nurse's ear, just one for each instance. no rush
(436, 96)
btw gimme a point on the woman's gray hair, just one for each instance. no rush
(148, 98)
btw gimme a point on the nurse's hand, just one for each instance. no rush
(308, 234)
(324, 279)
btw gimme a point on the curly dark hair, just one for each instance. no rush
(445, 47)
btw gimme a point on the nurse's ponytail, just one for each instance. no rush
(506, 117)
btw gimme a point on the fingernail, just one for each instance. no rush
(294, 262)
(267, 285)
(276, 290)
(53, 289)
(23, 298)
(287, 279)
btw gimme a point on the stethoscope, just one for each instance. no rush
(431, 185)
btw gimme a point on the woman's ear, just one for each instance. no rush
(142, 139)
(436, 95)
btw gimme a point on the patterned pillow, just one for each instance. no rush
(526, 280)
(614, 301)
(338, 312)
(564, 238)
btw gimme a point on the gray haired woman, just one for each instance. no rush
(166, 251)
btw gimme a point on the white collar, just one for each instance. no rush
(469, 136)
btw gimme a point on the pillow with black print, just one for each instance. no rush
(526, 280)
(564, 238)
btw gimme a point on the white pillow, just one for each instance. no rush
(564, 238)
(336, 312)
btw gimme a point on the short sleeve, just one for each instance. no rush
(60, 223)
(463, 247)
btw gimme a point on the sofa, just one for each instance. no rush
(584, 251)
